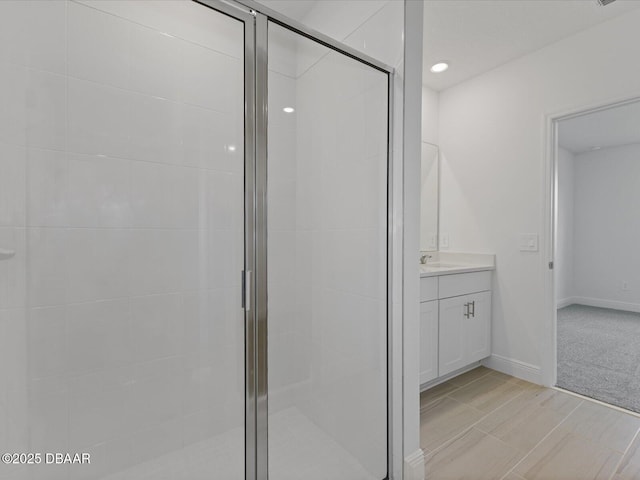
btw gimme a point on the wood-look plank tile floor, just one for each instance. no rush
(484, 425)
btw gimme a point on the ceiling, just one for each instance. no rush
(475, 36)
(612, 127)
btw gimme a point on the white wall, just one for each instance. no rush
(492, 135)
(407, 218)
(564, 229)
(607, 227)
(430, 115)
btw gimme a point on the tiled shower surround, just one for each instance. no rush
(327, 263)
(121, 190)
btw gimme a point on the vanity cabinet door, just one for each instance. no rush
(451, 335)
(428, 341)
(478, 329)
(464, 331)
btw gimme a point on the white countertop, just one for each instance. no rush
(448, 263)
(435, 270)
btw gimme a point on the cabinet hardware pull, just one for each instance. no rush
(473, 309)
(466, 310)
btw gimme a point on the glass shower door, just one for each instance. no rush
(121, 240)
(327, 268)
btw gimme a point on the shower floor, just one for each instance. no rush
(299, 449)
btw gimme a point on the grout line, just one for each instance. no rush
(94, 156)
(541, 440)
(593, 440)
(447, 379)
(582, 398)
(439, 397)
(473, 425)
(149, 27)
(599, 402)
(457, 387)
(624, 455)
(343, 40)
(472, 381)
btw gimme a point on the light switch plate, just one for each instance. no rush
(528, 242)
(444, 241)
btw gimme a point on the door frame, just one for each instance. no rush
(550, 348)
(256, 17)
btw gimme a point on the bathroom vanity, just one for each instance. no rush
(455, 313)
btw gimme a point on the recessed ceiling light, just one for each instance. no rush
(288, 110)
(231, 148)
(439, 67)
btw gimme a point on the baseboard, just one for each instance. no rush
(565, 302)
(515, 368)
(414, 466)
(438, 380)
(602, 303)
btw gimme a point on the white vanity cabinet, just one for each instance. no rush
(464, 333)
(455, 322)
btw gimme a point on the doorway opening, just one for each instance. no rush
(596, 231)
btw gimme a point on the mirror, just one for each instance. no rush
(429, 197)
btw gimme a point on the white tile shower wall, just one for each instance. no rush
(336, 208)
(327, 318)
(33, 34)
(13, 159)
(288, 331)
(346, 225)
(121, 190)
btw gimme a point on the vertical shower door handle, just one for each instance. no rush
(246, 289)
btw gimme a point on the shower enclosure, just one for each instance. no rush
(194, 244)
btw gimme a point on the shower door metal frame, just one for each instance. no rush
(248, 18)
(256, 17)
(264, 16)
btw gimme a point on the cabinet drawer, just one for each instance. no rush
(464, 283)
(428, 289)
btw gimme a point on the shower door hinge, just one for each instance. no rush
(246, 289)
(550, 265)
